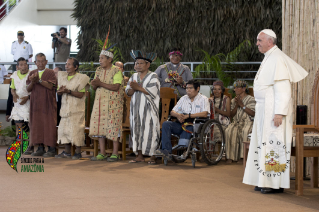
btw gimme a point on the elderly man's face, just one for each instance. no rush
(105, 61)
(264, 43)
(41, 62)
(239, 90)
(175, 58)
(141, 65)
(69, 67)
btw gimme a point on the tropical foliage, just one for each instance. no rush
(158, 25)
(213, 63)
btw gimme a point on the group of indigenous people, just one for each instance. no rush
(236, 116)
(267, 116)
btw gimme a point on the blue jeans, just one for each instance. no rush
(175, 128)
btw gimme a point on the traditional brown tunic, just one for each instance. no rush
(43, 110)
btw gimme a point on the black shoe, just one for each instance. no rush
(258, 188)
(40, 151)
(29, 151)
(50, 153)
(271, 191)
(162, 152)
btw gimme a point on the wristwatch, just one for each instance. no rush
(69, 91)
(40, 80)
(244, 107)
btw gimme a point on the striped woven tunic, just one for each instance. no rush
(144, 114)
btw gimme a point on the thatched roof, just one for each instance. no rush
(216, 26)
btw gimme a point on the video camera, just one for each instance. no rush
(55, 39)
(58, 33)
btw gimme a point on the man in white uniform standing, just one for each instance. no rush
(268, 161)
(21, 48)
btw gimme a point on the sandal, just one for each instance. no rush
(99, 157)
(113, 158)
(136, 161)
(152, 162)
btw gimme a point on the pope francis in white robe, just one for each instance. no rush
(268, 161)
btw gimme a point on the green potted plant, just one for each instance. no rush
(213, 63)
(9, 135)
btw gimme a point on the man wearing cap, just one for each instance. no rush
(183, 74)
(268, 162)
(21, 48)
(144, 87)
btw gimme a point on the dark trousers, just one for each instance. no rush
(170, 127)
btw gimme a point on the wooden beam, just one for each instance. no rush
(299, 161)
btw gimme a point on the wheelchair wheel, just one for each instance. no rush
(212, 142)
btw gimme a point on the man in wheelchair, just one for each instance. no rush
(190, 106)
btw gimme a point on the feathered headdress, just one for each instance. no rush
(104, 49)
(137, 54)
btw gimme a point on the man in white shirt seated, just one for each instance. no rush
(3, 73)
(190, 106)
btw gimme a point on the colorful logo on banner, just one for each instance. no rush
(17, 148)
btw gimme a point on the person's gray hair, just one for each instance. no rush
(40, 55)
(274, 40)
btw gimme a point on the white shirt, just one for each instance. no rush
(3, 72)
(21, 50)
(185, 105)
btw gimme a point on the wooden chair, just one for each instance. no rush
(227, 93)
(251, 91)
(301, 151)
(7, 81)
(125, 126)
(166, 95)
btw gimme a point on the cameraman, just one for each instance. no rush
(63, 46)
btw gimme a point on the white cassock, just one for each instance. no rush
(268, 162)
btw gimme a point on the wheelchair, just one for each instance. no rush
(202, 142)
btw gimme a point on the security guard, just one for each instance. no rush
(21, 48)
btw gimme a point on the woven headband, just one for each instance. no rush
(175, 52)
(241, 84)
(107, 53)
(220, 83)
